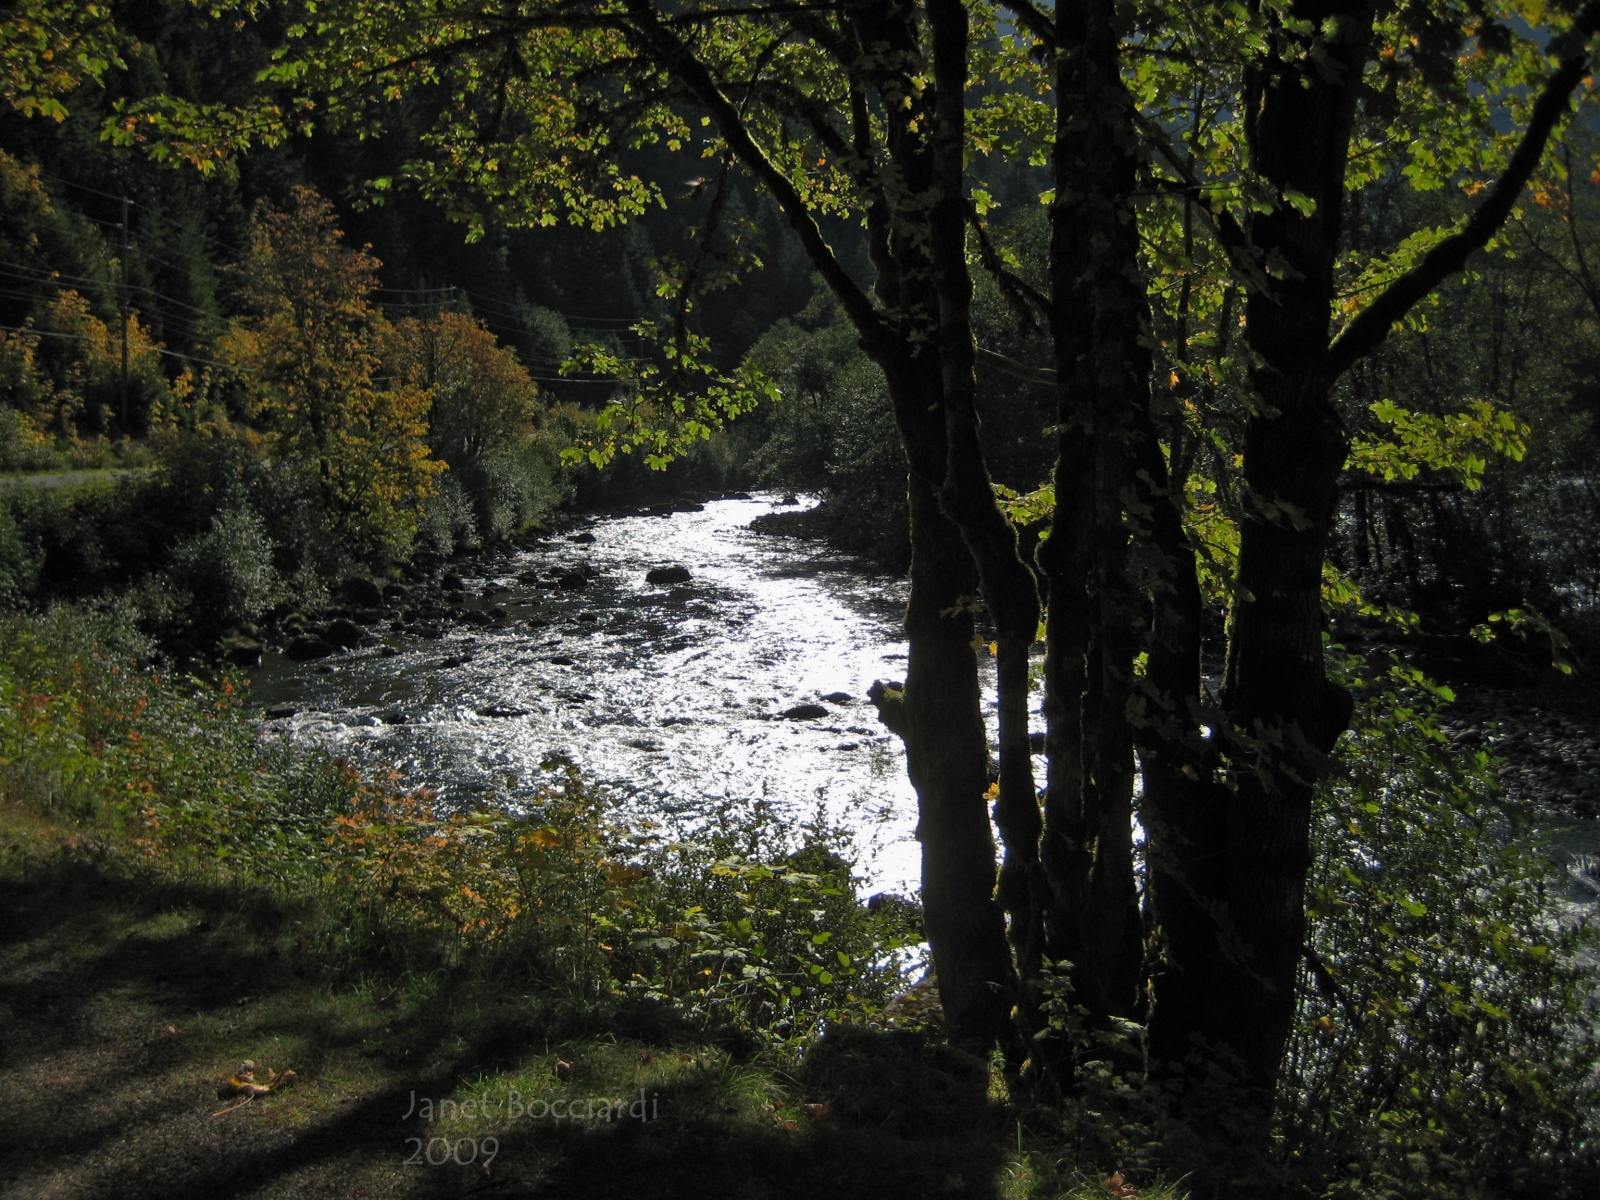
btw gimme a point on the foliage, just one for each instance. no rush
(228, 569)
(309, 351)
(483, 409)
(1446, 1039)
(741, 927)
(48, 49)
(1452, 445)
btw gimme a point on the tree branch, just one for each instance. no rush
(1017, 292)
(1010, 366)
(1034, 21)
(1367, 331)
(1236, 246)
(676, 57)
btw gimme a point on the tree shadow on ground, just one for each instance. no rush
(126, 1004)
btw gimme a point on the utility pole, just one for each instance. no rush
(124, 290)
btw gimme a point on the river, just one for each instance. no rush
(671, 696)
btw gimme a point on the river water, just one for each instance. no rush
(669, 695)
(672, 696)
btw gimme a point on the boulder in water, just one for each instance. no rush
(838, 697)
(574, 580)
(674, 574)
(502, 710)
(344, 633)
(453, 582)
(279, 712)
(804, 712)
(564, 660)
(582, 539)
(307, 647)
(242, 651)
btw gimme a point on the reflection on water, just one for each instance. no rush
(668, 694)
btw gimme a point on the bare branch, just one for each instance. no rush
(1010, 366)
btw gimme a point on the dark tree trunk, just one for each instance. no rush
(947, 756)
(1092, 918)
(1284, 713)
(1006, 582)
(946, 744)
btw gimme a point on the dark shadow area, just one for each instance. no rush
(125, 1004)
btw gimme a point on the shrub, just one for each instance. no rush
(228, 569)
(1446, 1041)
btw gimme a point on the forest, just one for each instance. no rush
(1205, 392)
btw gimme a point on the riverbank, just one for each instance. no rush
(129, 1006)
(684, 662)
(168, 853)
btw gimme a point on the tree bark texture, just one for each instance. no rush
(1092, 918)
(931, 389)
(1283, 713)
(1006, 582)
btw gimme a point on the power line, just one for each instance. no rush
(83, 187)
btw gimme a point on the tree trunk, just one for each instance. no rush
(1009, 590)
(1283, 712)
(1092, 920)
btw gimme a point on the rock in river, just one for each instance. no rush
(242, 651)
(838, 697)
(582, 539)
(344, 633)
(280, 711)
(672, 574)
(306, 647)
(502, 710)
(805, 712)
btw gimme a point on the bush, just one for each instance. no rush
(171, 775)
(228, 569)
(1446, 1041)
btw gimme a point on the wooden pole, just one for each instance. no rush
(124, 291)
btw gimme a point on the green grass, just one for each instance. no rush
(129, 1001)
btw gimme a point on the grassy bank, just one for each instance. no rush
(592, 1007)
